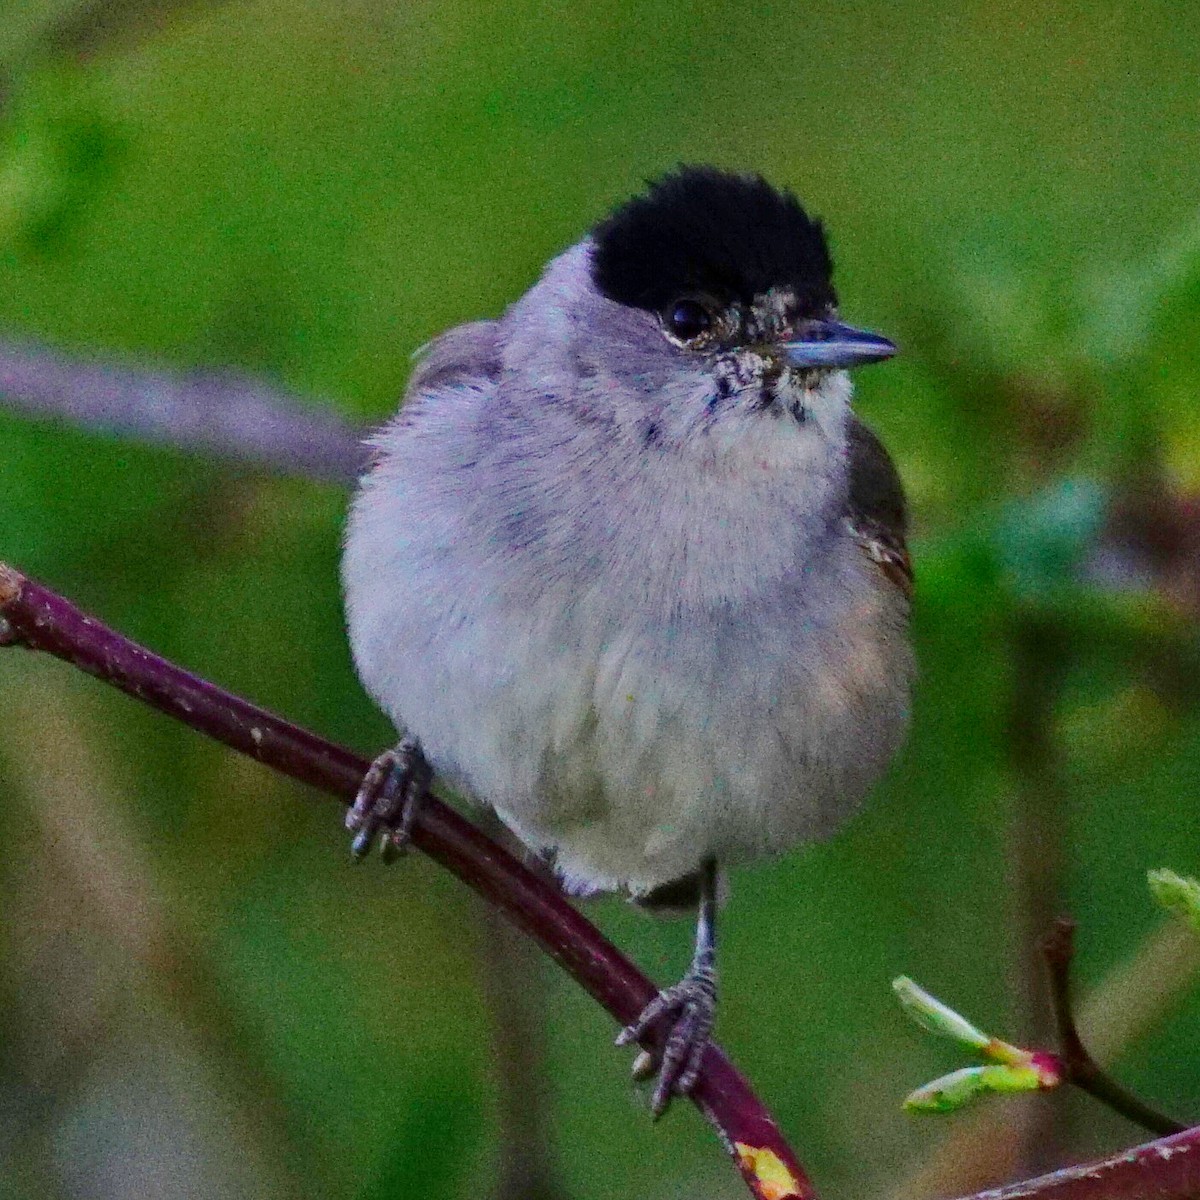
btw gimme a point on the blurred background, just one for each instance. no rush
(198, 995)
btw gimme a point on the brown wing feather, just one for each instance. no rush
(875, 509)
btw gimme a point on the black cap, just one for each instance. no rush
(712, 232)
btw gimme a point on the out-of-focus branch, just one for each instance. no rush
(226, 415)
(34, 616)
(509, 970)
(1037, 841)
(100, 879)
(1078, 1066)
(525, 1170)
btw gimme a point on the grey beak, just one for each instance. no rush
(831, 344)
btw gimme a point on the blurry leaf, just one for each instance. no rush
(1126, 306)
(1117, 725)
(1178, 894)
(1043, 541)
(24, 25)
(56, 152)
(1017, 321)
(1138, 335)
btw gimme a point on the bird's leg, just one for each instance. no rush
(688, 1009)
(389, 799)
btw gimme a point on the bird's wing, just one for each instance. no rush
(875, 509)
(469, 351)
(467, 356)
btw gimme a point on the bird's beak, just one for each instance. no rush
(831, 344)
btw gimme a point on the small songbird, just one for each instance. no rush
(627, 569)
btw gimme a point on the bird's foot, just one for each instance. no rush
(687, 1012)
(388, 800)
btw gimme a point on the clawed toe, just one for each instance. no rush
(687, 1012)
(389, 800)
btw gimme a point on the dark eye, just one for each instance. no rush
(687, 319)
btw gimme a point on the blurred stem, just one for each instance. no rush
(1038, 841)
(37, 618)
(517, 1006)
(114, 889)
(231, 417)
(1079, 1068)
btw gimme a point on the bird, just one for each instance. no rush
(627, 569)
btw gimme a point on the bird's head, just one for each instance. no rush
(703, 311)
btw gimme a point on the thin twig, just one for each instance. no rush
(42, 620)
(233, 417)
(1037, 846)
(1079, 1068)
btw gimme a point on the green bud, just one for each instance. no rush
(951, 1092)
(1178, 894)
(937, 1018)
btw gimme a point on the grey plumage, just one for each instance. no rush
(640, 651)
(647, 600)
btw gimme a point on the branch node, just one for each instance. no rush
(1058, 946)
(1078, 1066)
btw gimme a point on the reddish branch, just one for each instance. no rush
(1168, 1169)
(34, 616)
(1077, 1065)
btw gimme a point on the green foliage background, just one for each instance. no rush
(198, 996)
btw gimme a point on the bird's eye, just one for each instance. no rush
(687, 319)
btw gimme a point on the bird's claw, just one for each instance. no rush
(687, 1012)
(388, 801)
